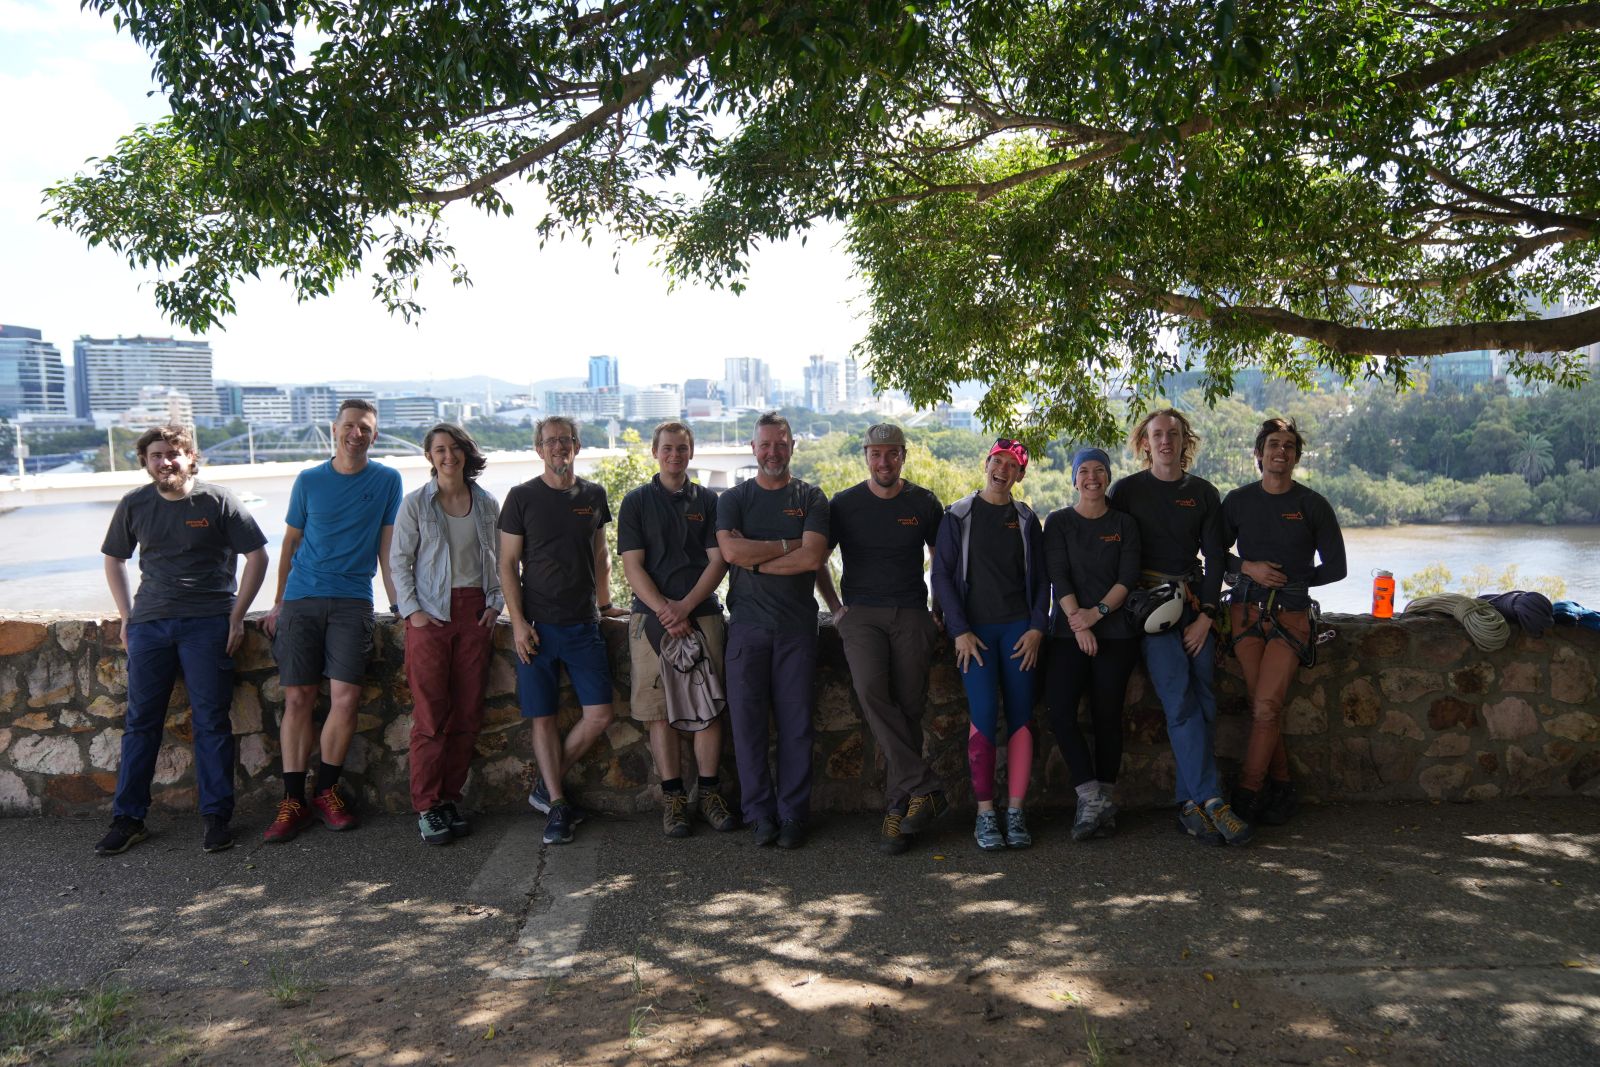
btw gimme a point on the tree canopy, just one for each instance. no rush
(1063, 198)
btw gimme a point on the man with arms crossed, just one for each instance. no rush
(881, 527)
(553, 562)
(667, 537)
(189, 535)
(340, 521)
(1180, 515)
(773, 530)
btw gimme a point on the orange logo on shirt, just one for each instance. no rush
(909, 521)
(1109, 538)
(197, 524)
(795, 513)
(1292, 516)
(694, 516)
(1187, 502)
(583, 511)
(1012, 525)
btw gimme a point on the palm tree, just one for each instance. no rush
(1535, 459)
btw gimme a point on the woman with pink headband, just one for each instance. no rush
(990, 580)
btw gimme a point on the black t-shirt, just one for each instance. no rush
(1086, 557)
(557, 527)
(673, 530)
(1177, 520)
(188, 549)
(881, 544)
(997, 579)
(783, 603)
(1290, 529)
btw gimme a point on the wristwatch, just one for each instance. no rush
(755, 568)
(1102, 608)
(394, 609)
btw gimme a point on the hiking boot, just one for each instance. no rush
(1197, 824)
(987, 832)
(1279, 804)
(923, 811)
(714, 810)
(675, 814)
(893, 839)
(459, 826)
(765, 832)
(1246, 803)
(792, 834)
(293, 816)
(1233, 829)
(331, 809)
(1087, 819)
(434, 826)
(1017, 835)
(558, 827)
(218, 837)
(125, 832)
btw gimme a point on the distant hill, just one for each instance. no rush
(471, 388)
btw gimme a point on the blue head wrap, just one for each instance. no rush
(1083, 455)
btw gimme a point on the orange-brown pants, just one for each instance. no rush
(1269, 667)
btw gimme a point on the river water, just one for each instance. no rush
(50, 555)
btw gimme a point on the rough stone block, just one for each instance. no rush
(17, 637)
(1510, 719)
(1405, 684)
(1572, 679)
(1393, 761)
(43, 754)
(1560, 753)
(834, 709)
(1473, 680)
(105, 751)
(255, 651)
(397, 735)
(1449, 745)
(50, 681)
(36, 721)
(1524, 773)
(1575, 726)
(1352, 769)
(69, 634)
(246, 712)
(254, 756)
(1360, 703)
(103, 707)
(67, 792)
(1400, 724)
(112, 673)
(5, 739)
(1304, 718)
(1443, 780)
(621, 734)
(172, 764)
(1522, 676)
(1448, 711)
(1443, 651)
(1487, 791)
(1384, 641)
(1585, 769)
(14, 796)
(845, 763)
(1489, 762)
(502, 676)
(180, 726)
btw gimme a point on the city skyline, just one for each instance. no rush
(531, 314)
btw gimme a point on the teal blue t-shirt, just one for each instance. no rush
(342, 516)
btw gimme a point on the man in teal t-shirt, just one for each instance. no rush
(341, 516)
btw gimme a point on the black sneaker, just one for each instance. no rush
(434, 826)
(219, 838)
(765, 832)
(1246, 803)
(792, 834)
(459, 826)
(1279, 803)
(123, 835)
(923, 811)
(893, 839)
(558, 827)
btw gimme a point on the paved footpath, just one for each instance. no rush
(1472, 930)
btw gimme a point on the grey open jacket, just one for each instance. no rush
(950, 566)
(419, 555)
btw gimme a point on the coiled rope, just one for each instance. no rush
(1488, 628)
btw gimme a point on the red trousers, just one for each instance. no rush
(448, 668)
(1269, 666)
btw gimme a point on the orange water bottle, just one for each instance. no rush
(1383, 594)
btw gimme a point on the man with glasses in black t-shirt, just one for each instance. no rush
(881, 528)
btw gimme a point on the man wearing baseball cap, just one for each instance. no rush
(882, 527)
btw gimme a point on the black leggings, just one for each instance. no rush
(1104, 676)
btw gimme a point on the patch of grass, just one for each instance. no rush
(639, 1024)
(306, 1053)
(288, 986)
(41, 1024)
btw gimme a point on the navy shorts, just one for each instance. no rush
(582, 650)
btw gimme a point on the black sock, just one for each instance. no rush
(294, 785)
(709, 784)
(672, 785)
(327, 775)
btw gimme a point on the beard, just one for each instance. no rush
(774, 468)
(885, 481)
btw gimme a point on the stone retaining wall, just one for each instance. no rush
(1403, 708)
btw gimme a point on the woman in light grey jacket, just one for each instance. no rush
(447, 576)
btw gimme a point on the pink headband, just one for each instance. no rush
(1015, 449)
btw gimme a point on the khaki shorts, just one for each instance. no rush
(648, 701)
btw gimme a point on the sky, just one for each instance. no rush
(70, 85)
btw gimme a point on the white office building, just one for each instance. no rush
(111, 372)
(32, 376)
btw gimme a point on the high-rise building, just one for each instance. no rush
(408, 410)
(700, 389)
(584, 404)
(853, 396)
(111, 371)
(156, 405)
(821, 391)
(603, 372)
(655, 403)
(746, 382)
(32, 377)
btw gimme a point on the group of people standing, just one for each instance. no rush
(1068, 598)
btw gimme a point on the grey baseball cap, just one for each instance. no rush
(884, 433)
